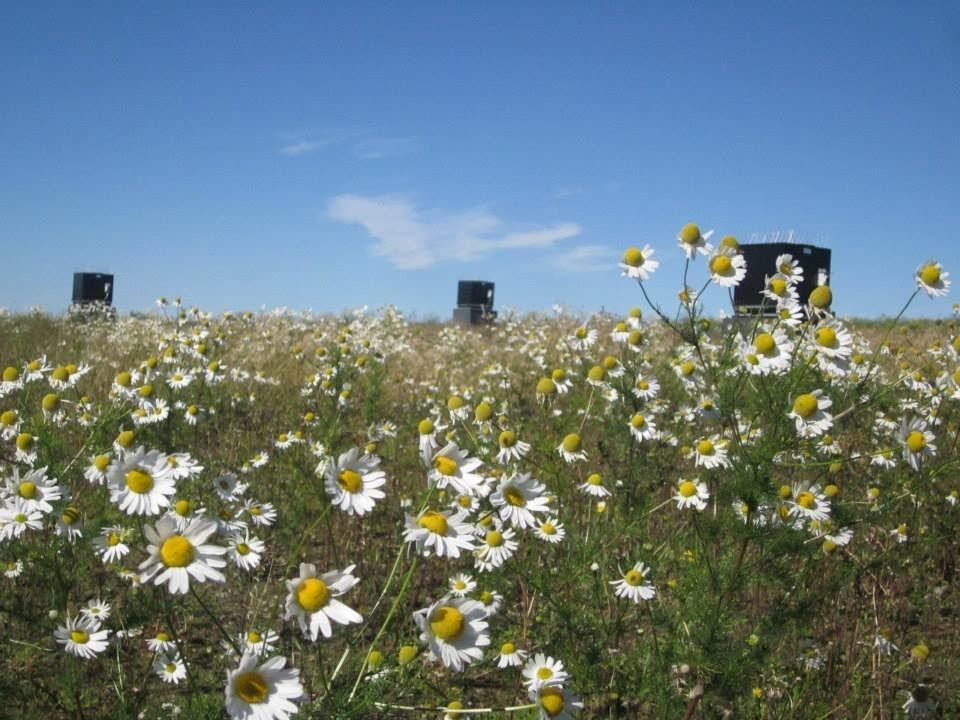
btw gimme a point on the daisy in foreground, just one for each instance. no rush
(176, 557)
(555, 702)
(354, 482)
(313, 600)
(932, 279)
(82, 637)
(454, 630)
(633, 585)
(637, 263)
(262, 692)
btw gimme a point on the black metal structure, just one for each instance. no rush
(474, 302)
(761, 263)
(92, 287)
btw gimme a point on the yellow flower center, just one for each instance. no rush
(572, 443)
(243, 549)
(633, 257)
(447, 623)
(434, 522)
(251, 687)
(182, 507)
(8, 418)
(633, 578)
(545, 386)
(24, 441)
(170, 667)
(705, 447)
(445, 465)
(350, 481)
(635, 338)
(551, 700)
(514, 497)
(594, 479)
(425, 427)
(806, 500)
(826, 337)
(27, 490)
(126, 438)
(80, 637)
(50, 402)
(177, 551)
(581, 333)
(508, 438)
(930, 274)
(254, 637)
(113, 539)
(821, 297)
(70, 516)
(609, 362)
(508, 649)
(100, 462)
(559, 374)
(145, 390)
(778, 286)
(139, 480)
(721, 265)
(805, 405)
(494, 538)
(643, 385)
(11, 374)
(690, 234)
(548, 529)
(312, 594)
(638, 421)
(688, 488)
(729, 241)
(60, 374)
(687, 368)
(483, 411)
(916, 441)
(765, 344)
(455, 402)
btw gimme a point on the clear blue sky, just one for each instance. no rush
(329, 155)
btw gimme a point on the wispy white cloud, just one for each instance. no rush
(585, 258)
(378, 148)
(412, 238)
(363, 142)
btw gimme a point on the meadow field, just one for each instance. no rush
(648, 515)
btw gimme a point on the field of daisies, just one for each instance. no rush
(652, 515)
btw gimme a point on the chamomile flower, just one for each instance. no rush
(583, 338)
(245, 550)
(262, 692)
(462, 585)
(727, 267)
(832, 340)
(263, 514)
(228, 487)
(555, 702)
(810, 415)
(111, 544)
(258, 643)
(780, 291)
(543, 671)
(593, 486)
(354, 482)
(454, 631)
(96, 471)
(443, 534)
(83, 637)
(550, 530)
(918, 442)
(510, 656)
(932, 279)
(141, 483)
(646, 387)
(633, 585)
(642, 427)
(96, 609)
(790, 268)
(711, 453)
(511, 448)
(518, 498)
(496, 547)
(162, 642)
(452, 466)
(170, 669)
(810, 503)
(692, 241)
(769, 352)
(35, 489)
(638, 264)
(429, 430)
(691, 494)
(177, 557)
(571, 449)
(312, 600)
(16, 519)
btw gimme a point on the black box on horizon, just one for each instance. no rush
(748, 297)
(474, 303)
(89, 287)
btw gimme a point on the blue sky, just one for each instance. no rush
(330, 155)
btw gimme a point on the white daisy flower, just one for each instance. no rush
(176, 557)
(170, 669)
(262, 692)
(542, 670)
(555, 702)
(451, 466)
(262, 514)
(633, 585)
(245, 550)
(510, 656)
(35, 489)
(646, 387)
(110, 544)
(790, 268)
(258, 643)
(462, 585)
(82, 636)
(691, 494)
(141, 482)
(96, 609)
(510, 447)
(810, 503)
(832, 340)
(16, 518)
(932, 279)
(454, 630)
(312, 600)
(918, 442)
(638, 264)
(497, 547)
(779, 290)
(809, 414)
(571, 449)
(593, 486)
(444, 534)
(727, 267)
(517, 499)
(354, 482)
(692, 241)
(550, 530)
(711, 453)
(96, 471)
(161, 643)
(642, 428)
